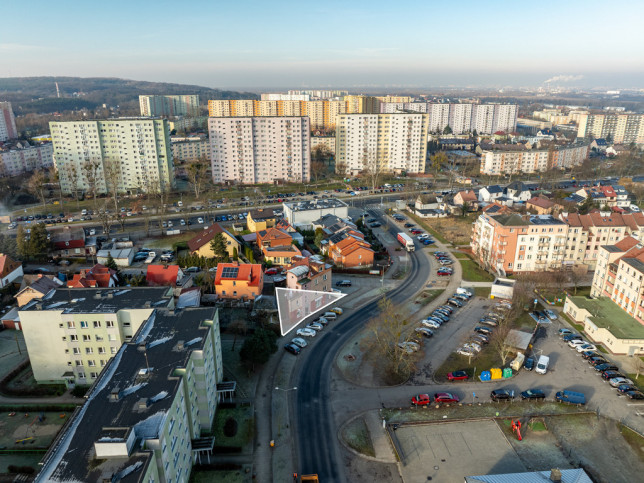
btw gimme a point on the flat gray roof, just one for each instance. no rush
(316, 204)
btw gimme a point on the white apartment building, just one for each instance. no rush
(71, 334)
(21, 157)
(463, 118)
(622, 128)
(7, 122)
(169, 106)
(137, 150)
(395, 142)
(148, 416)
(438, 117)
(284, 97)
(513, 162)
(252, 150)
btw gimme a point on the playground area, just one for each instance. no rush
(22, 430)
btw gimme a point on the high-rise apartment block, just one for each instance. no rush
(149, 415)
(134, 153)
(388, 142)
(461, 118)
(7, 122)
(622, 128)
(285, 97)
(530, 161)
(251, 150)
(190, 149)
(169, 106)
(319, 94)
(21, 157)
(321, 113)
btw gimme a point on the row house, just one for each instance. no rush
(609, 196)
(620, 276)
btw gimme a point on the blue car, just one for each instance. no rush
(428, 242)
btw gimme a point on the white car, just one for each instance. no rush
(182, 222)
(315, 326)
(306, 332)
(472, 345)
(200, 220)
(586, 347)
(618, 381)
(464, 351)
(170, 224)
(409, 347)
(431, 324)
(576, 343)
(92, 232)
(298, 341)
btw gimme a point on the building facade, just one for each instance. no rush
(7, 122)
(169, 106)
(529, 161)
(148, 417)
(392, 143)
(250, 150)
(21, 157)
(72, 333)
(304, 213)
(190, 149)
(622, 128)
(133, 153)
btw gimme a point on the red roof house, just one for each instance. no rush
(163, 275)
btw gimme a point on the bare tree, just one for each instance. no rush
(90, 171)
(73, 176)
(238, 326)
(499, 340)
(576, 277)
(197, 171)
(438, 160)
(372, 168)
(36, 185)
(388, 329)
(112, 173)
(106, 218)
(639, 367)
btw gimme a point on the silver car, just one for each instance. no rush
(298, 341)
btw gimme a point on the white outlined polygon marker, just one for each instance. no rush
(294, 306)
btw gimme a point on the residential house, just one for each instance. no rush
(467, 196)
(490, 193)
(331, 225)
(599, 145)
(497, 208)
(10, 270)
(36, 287)
(200, 244)
(240, 281)
(164, 275)
(68, 241)
(428, 202)
(543, 206)
(285, 226)
(273, 237)
(122, 256)
(260, 219)
(518, 191)
(309, 273)
(97, 276)
(349, 251)
(280, 255)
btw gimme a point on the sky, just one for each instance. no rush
(260, 44)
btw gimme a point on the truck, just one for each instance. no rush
(406, 241)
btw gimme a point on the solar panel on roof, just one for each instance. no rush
(230, 272)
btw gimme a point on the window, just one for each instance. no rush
(112, 350)
(81, 375)
(93, 375)
(97, 324)
(71, 325)
(101, 350)
(84, 324)
(89, 350)
(109, 323)
(73, 338)
(64, 338)
(91, 363)
(76, 350)
(87, 338)
(79, 363)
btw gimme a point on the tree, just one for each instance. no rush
(438, 160)
(197, 175)
(319, 236)
(36, 185)
(447, 130)
(239, 326)
(258, 348)
(111, 263)
(8, 246)
(235, 254)
(112, 174)
(106, 219)
(499, 341)
(73, 176)
(22, 243)
(465, 208)
(576, 277)
(38, 242)
(320, 156)
(90, 171)
(372, 168)
(387, 330)
(218, 246)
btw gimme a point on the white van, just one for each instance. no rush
(542, 365)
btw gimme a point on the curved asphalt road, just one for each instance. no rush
(314, 422)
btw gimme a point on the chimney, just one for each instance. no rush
(110, 295)
(555, 475)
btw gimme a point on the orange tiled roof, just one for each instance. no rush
(247, 272)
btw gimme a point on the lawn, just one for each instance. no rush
(487, 359)
(233, 435)
(218, 476)
(27, 459)
(427, 296)
(482, 292)
(356, 435)
(635, 440)
(473, 273)
(428, 228)
(461, 255)
(168, 242)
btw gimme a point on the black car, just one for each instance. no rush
(611, 374)
(533, 394)
(375, 224)
(480, 339)
(292, 348)
(343, 283)
(597, 361)
(635, 395)
(409, 225)
(624, 388)
(502, 395)
(483, 330)
(606, 367)
(589, 354)
(569, 337)
(528, 365)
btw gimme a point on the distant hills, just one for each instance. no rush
(37, 95)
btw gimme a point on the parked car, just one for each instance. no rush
(569, 337)
(502, 395)
(421, 400)
(425, 331)
(608, 375)
(618, 381)
(571, 397)
(306, 332)
(552, 315)
(298, 341)
(533, 394)
(480, 338)
(589, 355)
(315, 326)
(472, 345)
(586, 347)
(292, 348)
(483, 330)
(597, 361)
(200, 220)
(409, 347)
(432, 324)
(564, 331)
(271, 271)
(445, 397)
(343, 283)
(606, 366)
(337, 310)
(574, 343)
(624, 388)
(635, 395)
(528, 364)
(465, 351)
(457, 376)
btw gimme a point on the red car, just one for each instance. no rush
(445, 397)
(457, 376)
(421, 400)
(271, 271)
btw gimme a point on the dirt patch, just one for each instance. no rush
(356, 435)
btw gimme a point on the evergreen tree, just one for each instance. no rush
(218, 246)
(447, 130)
(38, 242)
(258, 347)
(22, 244)
(111, 263)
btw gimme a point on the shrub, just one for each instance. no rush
(230, 428)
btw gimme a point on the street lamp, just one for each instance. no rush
(285, 390)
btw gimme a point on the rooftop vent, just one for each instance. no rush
(555, 475)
